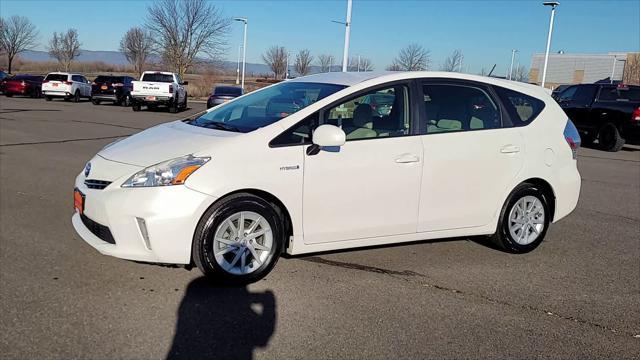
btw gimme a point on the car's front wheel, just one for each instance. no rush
(524, 220)
(239, 239)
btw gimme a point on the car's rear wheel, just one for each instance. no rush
(47, 98)
(95, 102)
(239, 239)
(135, 107)
(125, 101)
(8, 95)
(524, 220)
(610, 138)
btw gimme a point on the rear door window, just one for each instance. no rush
(614, 93)
(458, 107)
(76, 78)
(522, 109)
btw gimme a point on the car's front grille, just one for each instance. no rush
(96, 184)
(98, 230)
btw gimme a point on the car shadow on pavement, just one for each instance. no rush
(222, 322)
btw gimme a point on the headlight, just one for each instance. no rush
(170, 172)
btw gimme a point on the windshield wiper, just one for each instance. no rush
(220, 126)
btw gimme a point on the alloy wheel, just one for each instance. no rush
(526, 220)
(242, 242)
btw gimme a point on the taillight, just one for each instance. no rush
(636, 114)
(68, 82)
(170, 89)
(45, 81)
(93, 83)
(572, 137)
(23, 83)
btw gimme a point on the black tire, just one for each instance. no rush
(125, 101)
(184, 104)
(610, 139)
(503, 238)
(135, 107)
(95, 102)
(8, 95)
(152, 107)
(76, 96)
(202, 249)
(173, 107)
(47, 98)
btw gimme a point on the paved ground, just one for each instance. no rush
(577, 296)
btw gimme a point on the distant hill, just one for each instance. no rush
(118, 58)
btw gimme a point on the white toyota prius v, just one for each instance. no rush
(334, 161)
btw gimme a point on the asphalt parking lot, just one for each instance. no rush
(576, 296)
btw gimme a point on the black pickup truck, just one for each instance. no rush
(608, 113)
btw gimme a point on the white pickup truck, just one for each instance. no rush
(159, 88)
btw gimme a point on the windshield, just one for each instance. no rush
(157, 77)
(264, 107)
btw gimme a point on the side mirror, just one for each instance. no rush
(185, 83)
(329, 135)
(326, 136)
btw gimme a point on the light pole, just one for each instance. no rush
(513, 56)
(347, 33)
(238, 68)
(553, 5)
(244, 47)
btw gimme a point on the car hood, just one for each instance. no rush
(164, 142)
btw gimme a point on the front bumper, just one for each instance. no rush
(170, 215)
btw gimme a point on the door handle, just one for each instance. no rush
(509, 149)
(407, 158)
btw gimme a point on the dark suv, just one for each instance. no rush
(116, 89)
(609, 113)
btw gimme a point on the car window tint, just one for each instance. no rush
(569, 93)
(380, 113)
(585, 93)
(459, 108)
(299, 134)
(56, 77)
(76, 78)
(522, 108)
(157, 77)
(614, 93)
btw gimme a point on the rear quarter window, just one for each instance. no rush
(522, 108)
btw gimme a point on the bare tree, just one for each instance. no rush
(136, 45)
(65, 47)
(631, 72)
(186, 30)
(413, 58)
(276, 59)
(453, 62)
(303, 62)
(17, 34)
(520, 73)
(325, 62)
(393, 67)
(359, 64)
(483, 71)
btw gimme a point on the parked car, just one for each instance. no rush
(115, 89)
(27, 85)
(231, 189)
(66, 85)
(159, 88)
(607, 113)
(223, 94)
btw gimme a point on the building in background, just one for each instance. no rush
(586, 68)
